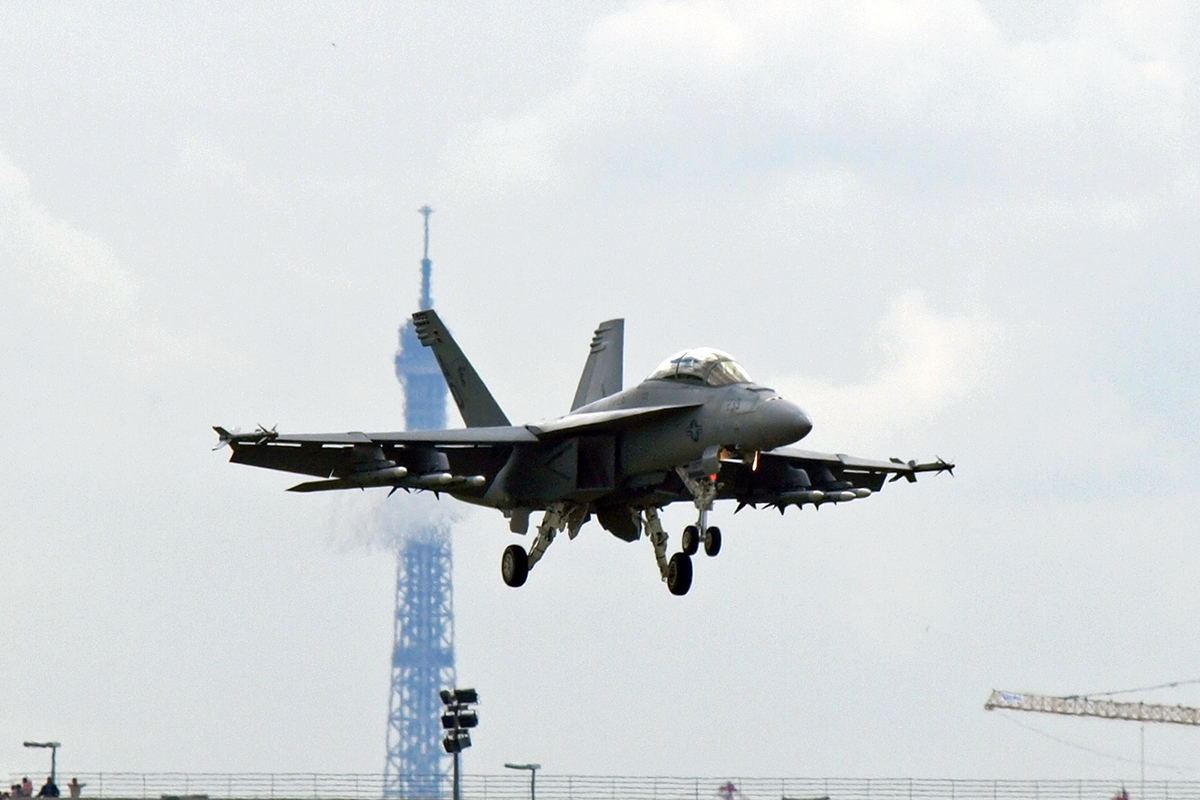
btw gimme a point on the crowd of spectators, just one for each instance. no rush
(49, 789)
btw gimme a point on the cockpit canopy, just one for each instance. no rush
(701, 365)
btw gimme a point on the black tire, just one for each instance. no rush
(514, 565)
(712, 541)
(679, 574)
(690, 542)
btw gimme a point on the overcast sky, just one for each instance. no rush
(964, 228)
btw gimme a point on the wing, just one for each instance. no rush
(460, 461)
(791, 476)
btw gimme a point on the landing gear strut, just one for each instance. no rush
(677, 573)
(515, 564)
(704, 492)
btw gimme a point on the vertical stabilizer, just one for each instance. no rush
(476, 404)
(605, 364)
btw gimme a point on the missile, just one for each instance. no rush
(840, 497)
(433, 479)
(862, 492)
(802, 497)
(390, 476)
(377, 477)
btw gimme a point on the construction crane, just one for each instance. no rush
(1099, 706)
(1084, 706)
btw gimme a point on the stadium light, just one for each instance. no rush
(53, 756)
(533, 768)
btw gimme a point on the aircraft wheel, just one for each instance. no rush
(712, 541)
(679, 574)
(514, 565)
(691, 540)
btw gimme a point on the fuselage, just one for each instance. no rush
(696, 408)
(742, 417)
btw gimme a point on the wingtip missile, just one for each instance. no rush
(260, 435)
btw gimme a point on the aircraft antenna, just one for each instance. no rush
(423, 646)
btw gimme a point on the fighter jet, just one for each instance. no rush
(697, 430)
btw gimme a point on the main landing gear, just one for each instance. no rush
(676, 571)
(515, 563)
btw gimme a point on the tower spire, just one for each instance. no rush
(423, 644)
(426, 264)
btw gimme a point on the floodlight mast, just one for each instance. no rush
(458, 717)
(533, 768)
(53, 756)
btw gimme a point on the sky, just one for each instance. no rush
(963, 228)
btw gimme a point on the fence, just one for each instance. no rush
(327, 786)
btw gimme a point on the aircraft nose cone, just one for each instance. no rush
(799, 421)
(786, 420)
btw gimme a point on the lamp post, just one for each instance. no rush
(456, 719)
(533, 768)
(53, 756)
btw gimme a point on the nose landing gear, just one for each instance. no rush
(712, 541)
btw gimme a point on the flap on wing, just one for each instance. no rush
(504, 434)
(594, 420)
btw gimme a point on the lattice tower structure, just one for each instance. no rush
(1083, 706)
(423, 650)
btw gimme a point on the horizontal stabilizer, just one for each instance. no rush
(475, 403)
(603, 371)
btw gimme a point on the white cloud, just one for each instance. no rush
(704, 89)
(923, 363)
(207, 161)
(64, 272)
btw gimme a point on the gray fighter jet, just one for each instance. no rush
(698, 429)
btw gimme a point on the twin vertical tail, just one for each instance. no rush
(475, 403)
(602, 374)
